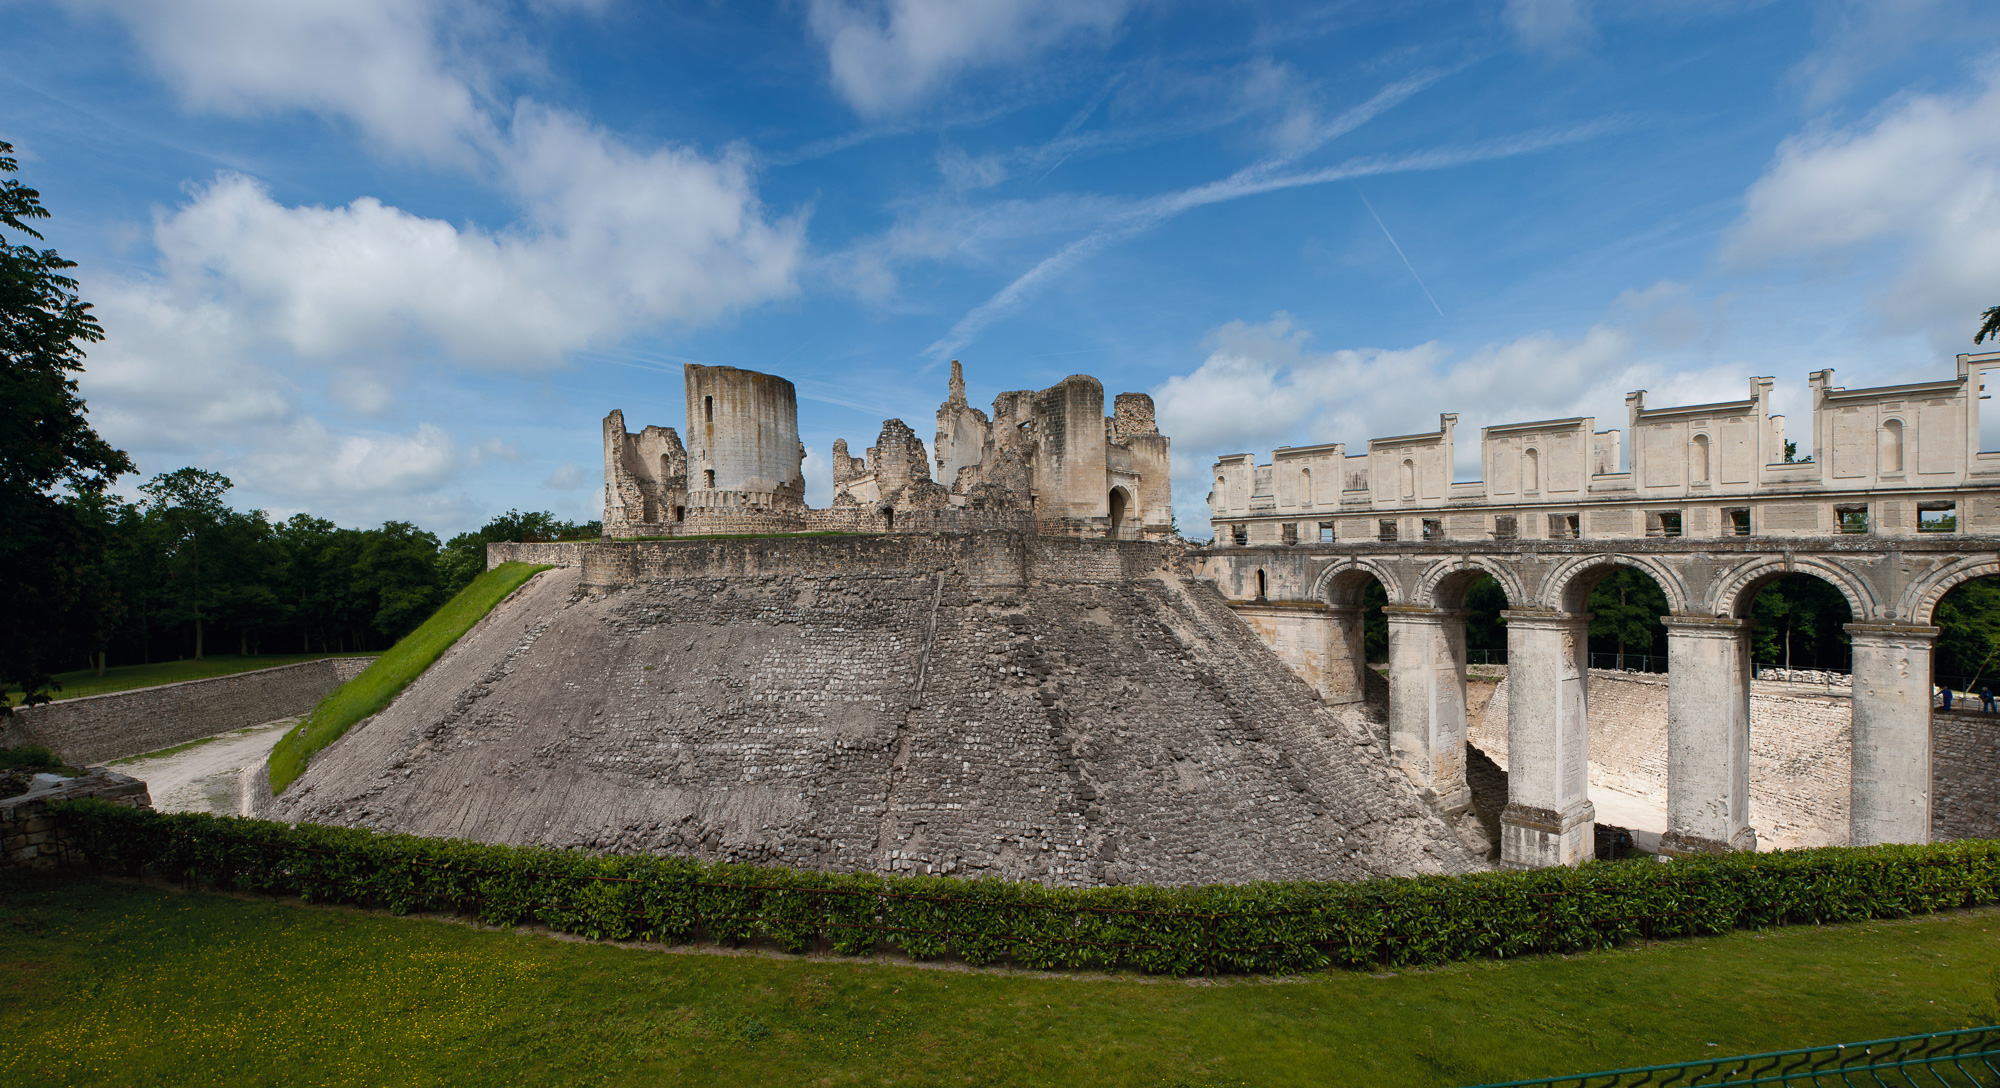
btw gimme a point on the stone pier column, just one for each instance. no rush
(1891, 798)
(1427, 702)
(1708, 736)
(1549, 819)
(1347, 657)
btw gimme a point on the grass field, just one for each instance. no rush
(112, 983)
(380, 683)
(127, 677)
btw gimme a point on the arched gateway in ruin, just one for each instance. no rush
(1893, 505)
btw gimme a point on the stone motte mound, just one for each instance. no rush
(1068, 712)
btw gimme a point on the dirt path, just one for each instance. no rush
(205, 776)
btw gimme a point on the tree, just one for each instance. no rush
(47, 448)
(1625, 611)
(188, 504)
(1800, 620)
(1991, 327)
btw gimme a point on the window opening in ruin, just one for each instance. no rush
(1698, 460)
(1409, 478)
(888, 517)
(1240, 533)
(1892, 445)
(1433, 529)
(1663, 523)
(1937, 517)
(1851, 519)
(708, 409)
(1385, 530)
(680, 513)
(708, 478)
(1260, 584)
(1739, 521)
(1531, 470)
(1289, 533)
(1505, 527)
(1117, 511)
(1565, 526)
(1326, 532)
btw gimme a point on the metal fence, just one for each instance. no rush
(1948, 1059)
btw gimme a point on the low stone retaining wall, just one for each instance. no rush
(31, 836)
(1965, 776)
(96, 728)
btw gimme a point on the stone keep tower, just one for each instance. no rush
(743, 438)
(739, 472)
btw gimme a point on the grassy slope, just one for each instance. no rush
(115, 983)
(382, 681)
(126, 677)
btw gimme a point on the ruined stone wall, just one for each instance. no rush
(1071, 712)
(1800, 752)
(95, 728)
(31, 837)
(564, 553)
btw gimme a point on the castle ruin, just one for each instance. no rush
(1047, 462)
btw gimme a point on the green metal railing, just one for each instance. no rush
(1949, 1059)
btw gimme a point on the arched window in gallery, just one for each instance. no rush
(1698, 459)
(1531, 470)
(1891, 442)
(1409, 478)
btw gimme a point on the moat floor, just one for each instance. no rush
(207, 775)
(114, 983)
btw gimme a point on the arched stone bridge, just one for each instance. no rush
(1306, 601)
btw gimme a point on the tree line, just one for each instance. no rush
(181, 574)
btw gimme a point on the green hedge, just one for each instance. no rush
(385, 678)
(1273, 927)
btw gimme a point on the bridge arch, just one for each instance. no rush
(1918, 604)
(1443, 585)
(1568, 586)
(1340, 584)
(1738, 587)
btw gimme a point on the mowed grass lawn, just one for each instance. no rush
(114, 983)
(127, 677)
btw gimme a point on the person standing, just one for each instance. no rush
(1944, 697)
(1986, 699)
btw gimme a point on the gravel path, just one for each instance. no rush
(207, 777)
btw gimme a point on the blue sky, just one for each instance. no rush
(396, 258)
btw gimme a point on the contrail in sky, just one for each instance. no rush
(1398, 248)
(1250, 181)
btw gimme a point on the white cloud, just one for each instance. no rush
(1551, 27)
(619, 240)
(567, 476)
(309, 461)
(1858, 37)
(886, 55)
(1917, 188)
(387, 65)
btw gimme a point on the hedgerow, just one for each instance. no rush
(1249, 928)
